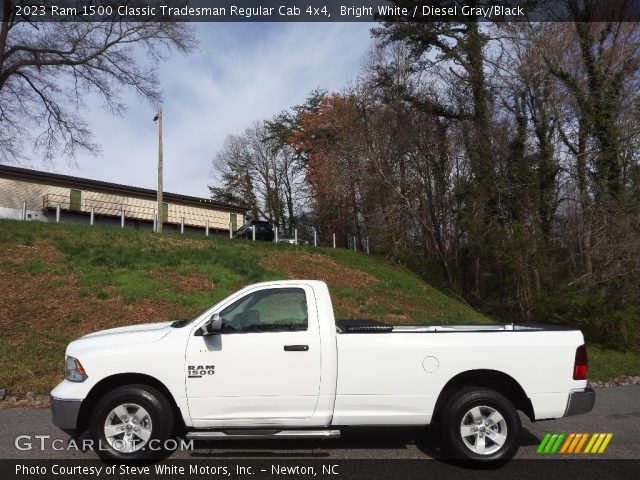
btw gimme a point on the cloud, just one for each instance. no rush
(240, 73)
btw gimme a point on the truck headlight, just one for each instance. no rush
(73, 370)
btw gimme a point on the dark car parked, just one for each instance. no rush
(264, 231)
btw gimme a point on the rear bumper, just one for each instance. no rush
(580, 401)
(64, 413)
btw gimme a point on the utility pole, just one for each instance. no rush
(158, 120)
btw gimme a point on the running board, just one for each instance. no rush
(263, 434)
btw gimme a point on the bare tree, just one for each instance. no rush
(48, 68)
(255, 170)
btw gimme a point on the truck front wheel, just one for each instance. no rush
(132, 422)
(481, 425)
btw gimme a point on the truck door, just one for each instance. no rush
(264, 365)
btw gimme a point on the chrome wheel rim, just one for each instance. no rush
(127, 428)
(483, 430)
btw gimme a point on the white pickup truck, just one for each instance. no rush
(271, 362)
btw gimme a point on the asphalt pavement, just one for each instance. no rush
(617, 411)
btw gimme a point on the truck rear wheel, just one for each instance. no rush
(481, 425)
(132, 422)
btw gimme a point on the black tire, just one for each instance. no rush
(460, 411)
(160, 422)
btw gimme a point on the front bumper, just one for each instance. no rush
(580, 401)
(64, 413)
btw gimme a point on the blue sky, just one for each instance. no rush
(241, 72)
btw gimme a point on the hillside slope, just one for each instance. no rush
(58, 282)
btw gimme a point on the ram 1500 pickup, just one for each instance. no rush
(271, 362)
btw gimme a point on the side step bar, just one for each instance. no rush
(262, 434)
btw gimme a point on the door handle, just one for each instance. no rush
(296, 348)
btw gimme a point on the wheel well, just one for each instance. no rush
(493, 379)
(119, 380)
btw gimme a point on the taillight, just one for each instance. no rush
(581, 363)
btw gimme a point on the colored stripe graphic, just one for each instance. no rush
(582, 440)
(567, 442)
(543, 443)
(550, 443)
(578, 438)
(607, 439)
(555, 447)
(592, 441)
(600, 438)
(572, 443)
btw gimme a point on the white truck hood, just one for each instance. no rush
(143, 333)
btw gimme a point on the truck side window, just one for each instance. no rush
(271, 310)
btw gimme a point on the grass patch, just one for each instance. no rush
(606, 364)
(64, 281)
(33, 267)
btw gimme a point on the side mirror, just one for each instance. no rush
(212, 327)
